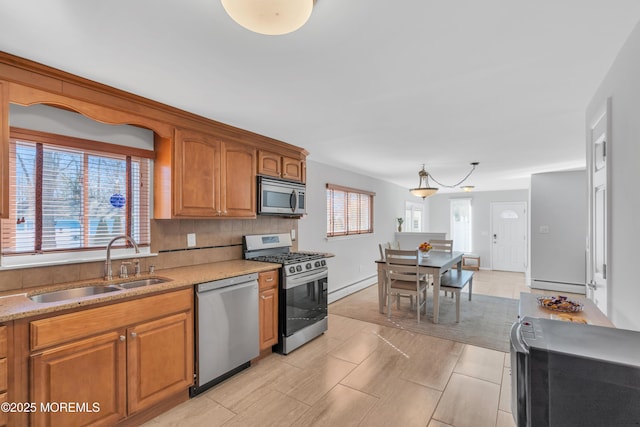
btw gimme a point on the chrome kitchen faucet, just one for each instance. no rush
(108, 274)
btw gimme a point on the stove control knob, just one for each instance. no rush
(308, 266)
(298, 268)
(323, 263)
(317, 264)
(292, 270)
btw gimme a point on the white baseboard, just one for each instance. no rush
(352, 288)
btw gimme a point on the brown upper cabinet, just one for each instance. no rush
(211, 167)
(279, 166)
(200, 176)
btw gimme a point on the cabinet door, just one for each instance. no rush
(196, 175)
(292, 169)
(269, 164)
(159, 359)
(3, 373)
(90, 372)
(268, 308)
(239, 186)
(268, 318)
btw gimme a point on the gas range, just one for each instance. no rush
(302, 291)
(275, 248)
(295, 262)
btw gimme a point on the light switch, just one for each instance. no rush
(191, 240)
(293, 234)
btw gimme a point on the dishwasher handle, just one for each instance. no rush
(224, 283)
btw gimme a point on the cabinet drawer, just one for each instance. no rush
(67, 327)
(268, 279)
(3, 341)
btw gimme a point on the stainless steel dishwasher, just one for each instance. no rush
(226, 329)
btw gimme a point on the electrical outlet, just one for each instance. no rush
(544, 229)
(293, 234)
(191, 240)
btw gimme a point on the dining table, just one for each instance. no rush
(434, 263)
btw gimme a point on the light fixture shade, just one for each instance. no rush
(270, 17)
(424, 192)
(468, 188)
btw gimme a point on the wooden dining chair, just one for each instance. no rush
(403, 278)
(441, 245)
(387, 245)
(382, 247)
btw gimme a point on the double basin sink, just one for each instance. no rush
(84, 291)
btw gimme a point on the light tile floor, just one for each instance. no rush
(362, 374)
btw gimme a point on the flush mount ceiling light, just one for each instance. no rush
(270, 17)
(467, 188)
(425, 190)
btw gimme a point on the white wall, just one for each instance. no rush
(56, 120)
(353, 266)
(558, 230)
(481, 216)
(622, 84)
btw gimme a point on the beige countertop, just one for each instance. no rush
(17, 305)
(590, 312)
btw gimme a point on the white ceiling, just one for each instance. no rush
(374, 86)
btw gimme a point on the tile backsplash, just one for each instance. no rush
(216, 240)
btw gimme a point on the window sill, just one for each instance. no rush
(348, 237)
(48, 260)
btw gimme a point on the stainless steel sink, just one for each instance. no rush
(67, 294)
(143, 282)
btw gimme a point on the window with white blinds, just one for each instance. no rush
(68, 194)
(349, 211)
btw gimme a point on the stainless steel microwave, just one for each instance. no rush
(279, 197)
(566, 374)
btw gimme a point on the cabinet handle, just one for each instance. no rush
(269, 279)
(133, 335)
(123, 338)
(263, 297)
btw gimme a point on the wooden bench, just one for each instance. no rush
(454, 281)
(475, 265)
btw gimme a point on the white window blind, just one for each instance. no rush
(461, 224)
(349, 211)
(64, 197)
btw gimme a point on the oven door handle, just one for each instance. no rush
(292, 282)
(516, 341)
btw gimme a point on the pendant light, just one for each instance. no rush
(270, 17)
(425, 190)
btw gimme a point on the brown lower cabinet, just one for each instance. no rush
(4, 373)
(113, 362)
(268, 308)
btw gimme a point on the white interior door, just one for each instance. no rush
(509, 236)
(598, 146)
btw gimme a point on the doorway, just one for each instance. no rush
(599, 145)
(509, 236)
